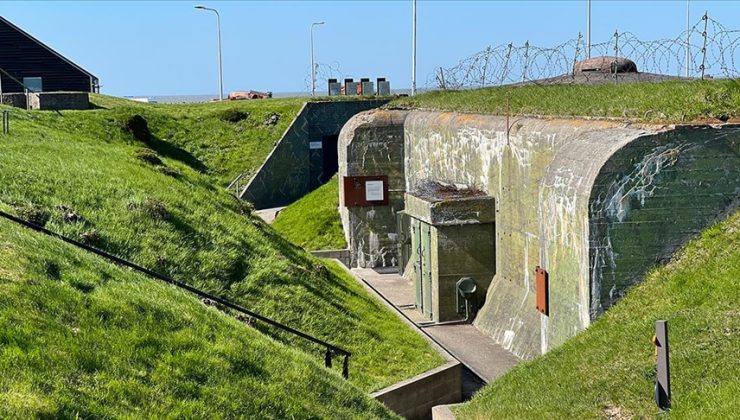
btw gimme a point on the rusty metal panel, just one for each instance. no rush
(365, 191)
(541, 285)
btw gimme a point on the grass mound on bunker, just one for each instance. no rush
(609, 369)
(86, 175)
(81, 338)
(313, 221)
(665, 102)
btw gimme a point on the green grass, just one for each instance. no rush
(95, 182)
(650, 102)
(611, 366)
(221, 140)
(81, 338)
(313, 221)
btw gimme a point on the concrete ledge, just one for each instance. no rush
(443, 412)
(342, 255)
(415, 397)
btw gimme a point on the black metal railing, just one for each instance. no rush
(331, 350)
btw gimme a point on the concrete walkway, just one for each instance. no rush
(474, 349)
(269, 215)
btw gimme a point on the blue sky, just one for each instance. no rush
(168, 48)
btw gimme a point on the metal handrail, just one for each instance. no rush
(331, 349)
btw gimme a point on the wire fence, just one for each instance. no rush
(708, 49)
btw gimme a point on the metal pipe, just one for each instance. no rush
(313, 66)
(413, 48)
(220, 67)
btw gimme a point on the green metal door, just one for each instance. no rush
(426, 269)
(416, 255)
(403, 231)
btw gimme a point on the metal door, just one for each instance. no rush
(416, 246)
(403, 230)
(426, 271)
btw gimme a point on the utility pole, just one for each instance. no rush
(413, 49)
(588, 28)
(688, 39)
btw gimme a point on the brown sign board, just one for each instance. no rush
(541, 285)
(365, 191)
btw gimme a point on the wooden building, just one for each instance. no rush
(24, 60)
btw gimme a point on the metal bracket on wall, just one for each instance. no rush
(542, 280)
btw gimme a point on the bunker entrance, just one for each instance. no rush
(330, 157)
(452, 237)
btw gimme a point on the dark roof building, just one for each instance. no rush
(24, 60)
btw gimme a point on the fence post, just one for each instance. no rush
(485, 66)
(526, 61)
(616, 54)
(663, 379)
(345, 367)
(575, 57)
(506, 64)
(6, 121)
(327, 358)
(705, 18)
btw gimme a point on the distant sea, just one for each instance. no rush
(183, 99)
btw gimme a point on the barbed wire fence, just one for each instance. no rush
(324, 72)
(712, 49)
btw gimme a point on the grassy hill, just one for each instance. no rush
(665, 102)
(609, 369)
(157, 202)
(313, 221)
(81, 338)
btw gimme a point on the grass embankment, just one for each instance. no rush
(313, 221)
(665, 102)
(154, 202)
(81, 338)
(224, 139)
(609, 370)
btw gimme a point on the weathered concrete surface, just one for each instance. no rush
(55, 101)
(595, 203)
(477, 351)
(341, 255)
(414, 398)
(371, 143)
(293, 169)
(560, 189)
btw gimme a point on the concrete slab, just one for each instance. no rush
(474, 349)
(269, 215)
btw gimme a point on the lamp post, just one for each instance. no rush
(220, 68)
(313, 66)
(413, 48)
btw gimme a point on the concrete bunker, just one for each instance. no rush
(594, 204)
(305, 157)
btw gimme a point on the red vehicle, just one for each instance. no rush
(252, 94)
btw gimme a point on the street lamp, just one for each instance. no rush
(313, 66)
(220, 71)
(413, 48)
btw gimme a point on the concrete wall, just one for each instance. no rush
(371, 143)
(17, 100)
(293, 169)
(594, 203)
(58, 100)
(414, 398)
